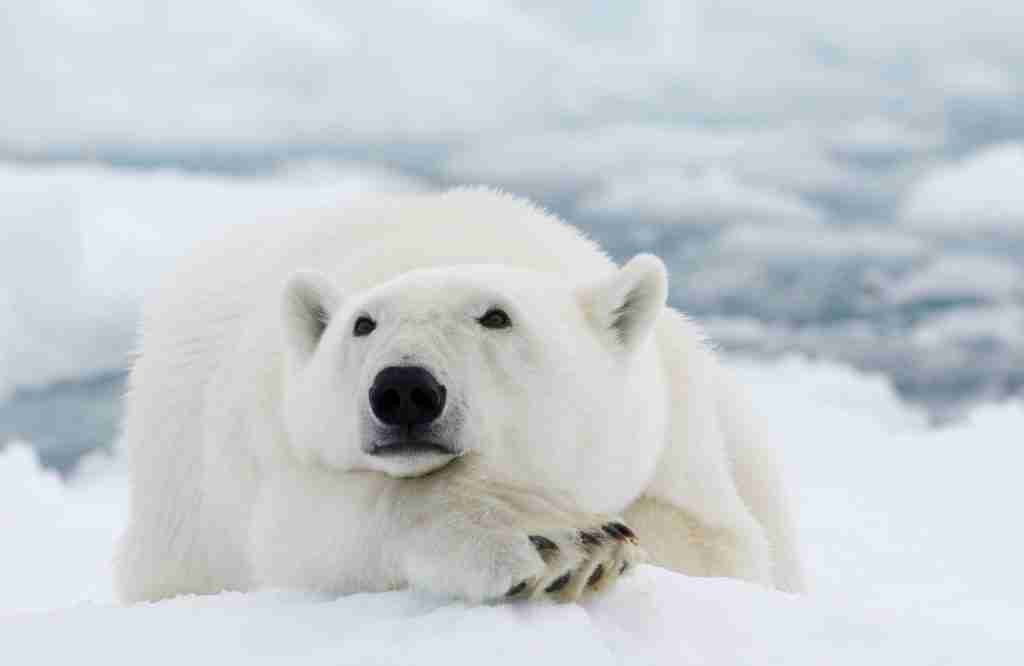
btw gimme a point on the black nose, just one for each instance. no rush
(406, 396)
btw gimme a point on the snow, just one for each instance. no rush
(305, 72)
(654, 618)
(817, 242)
(794, 93)
(947, 278)
(767, 161)
(973, 325)
(837, 179)
(981, 193)
(877, 137)
(57, 538)
(909, 533)
(711, 197)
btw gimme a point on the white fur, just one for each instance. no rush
(247, 413)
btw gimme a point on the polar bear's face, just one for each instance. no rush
(440, 363)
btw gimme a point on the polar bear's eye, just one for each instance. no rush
(363, 326)
(495, 318)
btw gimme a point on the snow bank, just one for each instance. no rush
(909, 533)
(57, 539)
(655, 617)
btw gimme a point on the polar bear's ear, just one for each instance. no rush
(625, 305)
(306, 307)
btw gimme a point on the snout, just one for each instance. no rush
(406, 396)
(413, 434)
(410, 432)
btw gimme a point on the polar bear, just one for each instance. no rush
(455, 392)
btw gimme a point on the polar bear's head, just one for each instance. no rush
(438, 363)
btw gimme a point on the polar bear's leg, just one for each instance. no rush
(166, 549)
(481, 540)
(692, 517)
(453, 532)
(181, 537)
(759, 479)
(675, 539)
(157, 556)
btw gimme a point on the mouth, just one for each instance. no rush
(411, 447)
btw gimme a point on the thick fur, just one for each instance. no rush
(247, 422)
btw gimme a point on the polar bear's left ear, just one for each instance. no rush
(307, 304)
(625, 305)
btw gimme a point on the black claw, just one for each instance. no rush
(516, 589)
(590, 539)
(558, 583)
(622, 569)
(543, 543)
(612, 530)
(595, 577)
(619, 531)
(628, 533)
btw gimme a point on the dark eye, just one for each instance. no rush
(495, 318)
(364, 326)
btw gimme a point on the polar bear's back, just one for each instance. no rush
(371, 240)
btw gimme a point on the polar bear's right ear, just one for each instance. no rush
(307, 304)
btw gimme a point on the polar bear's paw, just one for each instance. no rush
(489, 564)
(578, 562)
(483, 541)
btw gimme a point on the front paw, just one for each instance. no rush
(558, 563)
(580, 561)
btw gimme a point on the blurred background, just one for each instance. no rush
(835, 180)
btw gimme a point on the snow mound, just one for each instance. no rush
(57, 539)
(909, 533)
(655, 617)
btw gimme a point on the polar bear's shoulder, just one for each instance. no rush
(483, 225)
